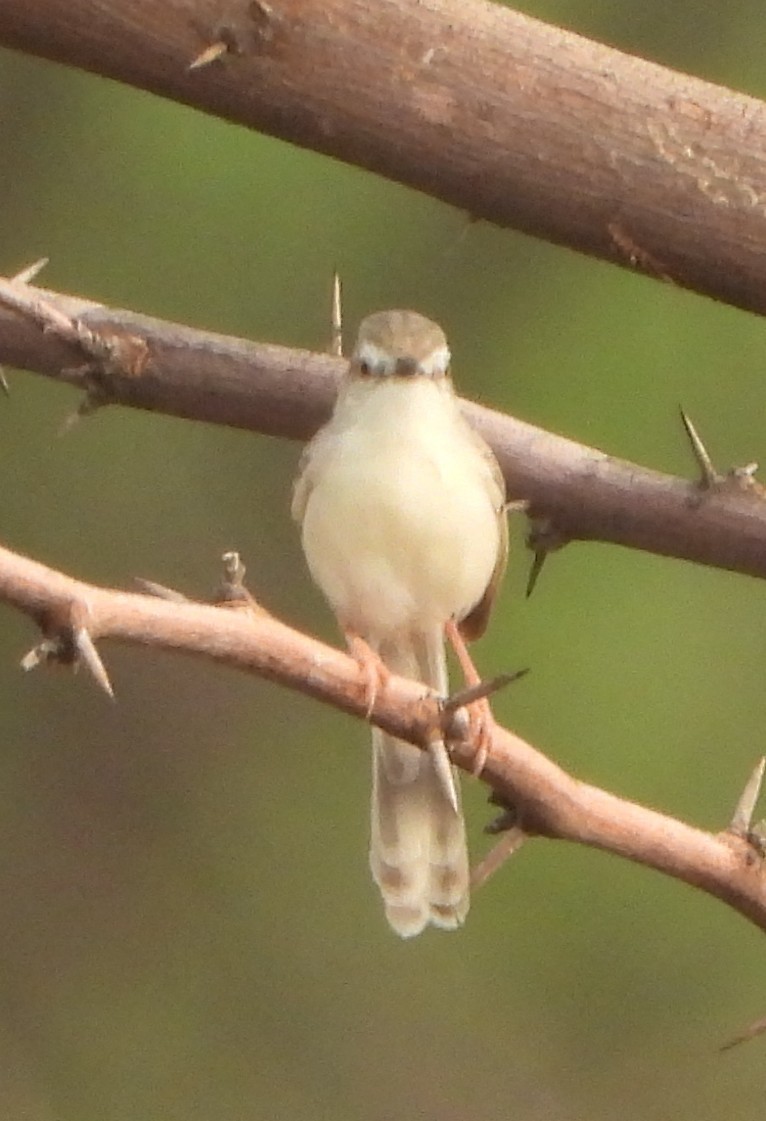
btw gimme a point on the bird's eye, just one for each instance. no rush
(364, 367)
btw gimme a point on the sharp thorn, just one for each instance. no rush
(336, 338)
(758, 1028)
(27, 275)
(709, 477)
(473, 693)
(743, 814)
(210, 54)
(90, 658)
(536, 567)
(444, 773)
(510, 843)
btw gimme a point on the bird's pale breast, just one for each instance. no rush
(400, 529)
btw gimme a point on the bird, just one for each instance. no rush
(401, 508)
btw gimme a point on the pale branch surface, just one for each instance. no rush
(516, 122)
(548, 801)
(190, 373)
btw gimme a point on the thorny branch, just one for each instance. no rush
(546, 800)
(665, 173)
(74, 340)
(570, 491)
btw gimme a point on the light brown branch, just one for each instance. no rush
(510, 119)
(579, 492)
(548, 801)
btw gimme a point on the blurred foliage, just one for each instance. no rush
(190, 933)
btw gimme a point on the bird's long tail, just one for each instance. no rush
(418, 853)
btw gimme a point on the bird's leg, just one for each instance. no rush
(480, 713)
(372, 671)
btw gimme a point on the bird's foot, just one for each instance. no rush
(481, 720)
(481, 725)
(373, 673)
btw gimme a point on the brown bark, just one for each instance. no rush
(585, 493)
(548, 801)
(517, 122)
(520, 124)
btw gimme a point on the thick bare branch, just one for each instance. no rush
(517, 122)
(579, 491)
(548, 801)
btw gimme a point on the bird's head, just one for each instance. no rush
(399, 344)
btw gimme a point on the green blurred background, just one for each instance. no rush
(189, 932)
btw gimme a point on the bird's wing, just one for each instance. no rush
(309, 465)
(475, 622)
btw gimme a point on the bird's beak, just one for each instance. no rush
(407, 367)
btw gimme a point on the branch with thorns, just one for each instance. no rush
(129, 359)
(569, 491)
(537, 797)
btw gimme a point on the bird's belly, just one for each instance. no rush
(399, 541)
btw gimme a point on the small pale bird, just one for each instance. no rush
(402, 509)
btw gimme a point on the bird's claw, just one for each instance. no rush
(373, 673)
(481, 721)
(481, 724)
